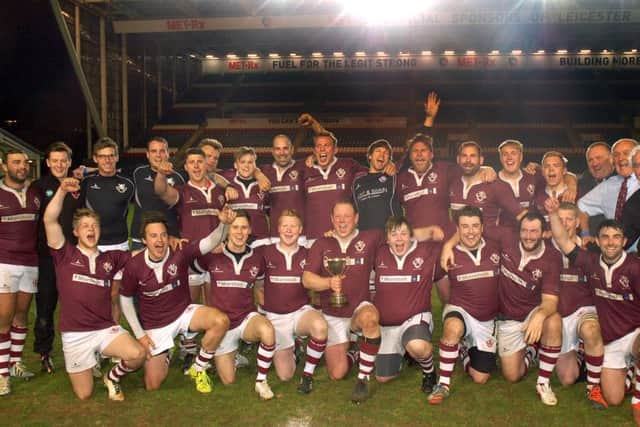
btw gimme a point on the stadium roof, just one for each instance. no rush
(219, 27)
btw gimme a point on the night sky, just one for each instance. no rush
(37, 84)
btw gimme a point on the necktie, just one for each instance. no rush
(622, 197)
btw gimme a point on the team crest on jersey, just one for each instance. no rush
(537, 274)
(293, 175)
(624, 281)
(107, 266)
(495, 258)
(172, 269)
(531, 189)
(360, 245)
(48, 193)
(383, 178)
(417, 262)
(490, 343)
(253, 271)
(481, 196)
(303, 263)
(36, 201)
(340, 173)
(94, 186)
(121, 188)
(171, 181)
(221, 200)
(432, 177)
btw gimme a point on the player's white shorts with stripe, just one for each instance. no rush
(123, 246)
(79, 348)
(22, 278)
(286, 325)
(511, 335)
(571, 327)
(617, 354)
(478, 334)
(339, 327)
(163, 337)
(233, 336)
(392, 335)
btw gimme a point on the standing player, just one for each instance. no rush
(88, 295)
(614, 277)
(108, 194)
(473, 306)
(554, 169)
(250, 197)
(286, 176)
(18, 263)
(158, 276)
(579, 317)
(470, 189)
(145, 198)
(286, 302)
(359, 315)
(404, 275)
(374, 193)
(329, 180)
(58, 159)
(198, 203)
(234, 273)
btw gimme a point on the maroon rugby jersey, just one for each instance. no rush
(198, 210)
(574, 290)
(254, 201)
(162, 287)
(474, 280)
(19, 212)
(84, 286)
(525, 276)
(360, 253)
(403, 284)
(425, 198)
(490, 197)
(322, 189)
(232, 282)
(283, 290)
(617, 292)
(286, 191)
(524, 189)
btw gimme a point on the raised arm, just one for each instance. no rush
(431, 108)
(53, 229)
(560, 235)
(209, 243)
(167, 193)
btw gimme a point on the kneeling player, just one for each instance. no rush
(286, 303)
(158, 276)
(234, 274)
(85, 277)
(404, 275)
(357, 249)
(473, 306)
(579, 318)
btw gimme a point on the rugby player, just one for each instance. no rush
(404, 274)
(158, 276)
(359, 315)
(286, 302)
(18, 263)
(234, 273)
(88, 294)
(614, 276)
(473, 306)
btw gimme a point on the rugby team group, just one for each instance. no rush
(324, 257)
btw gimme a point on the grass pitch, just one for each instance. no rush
(48, 400)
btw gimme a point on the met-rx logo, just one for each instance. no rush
(121, 188)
